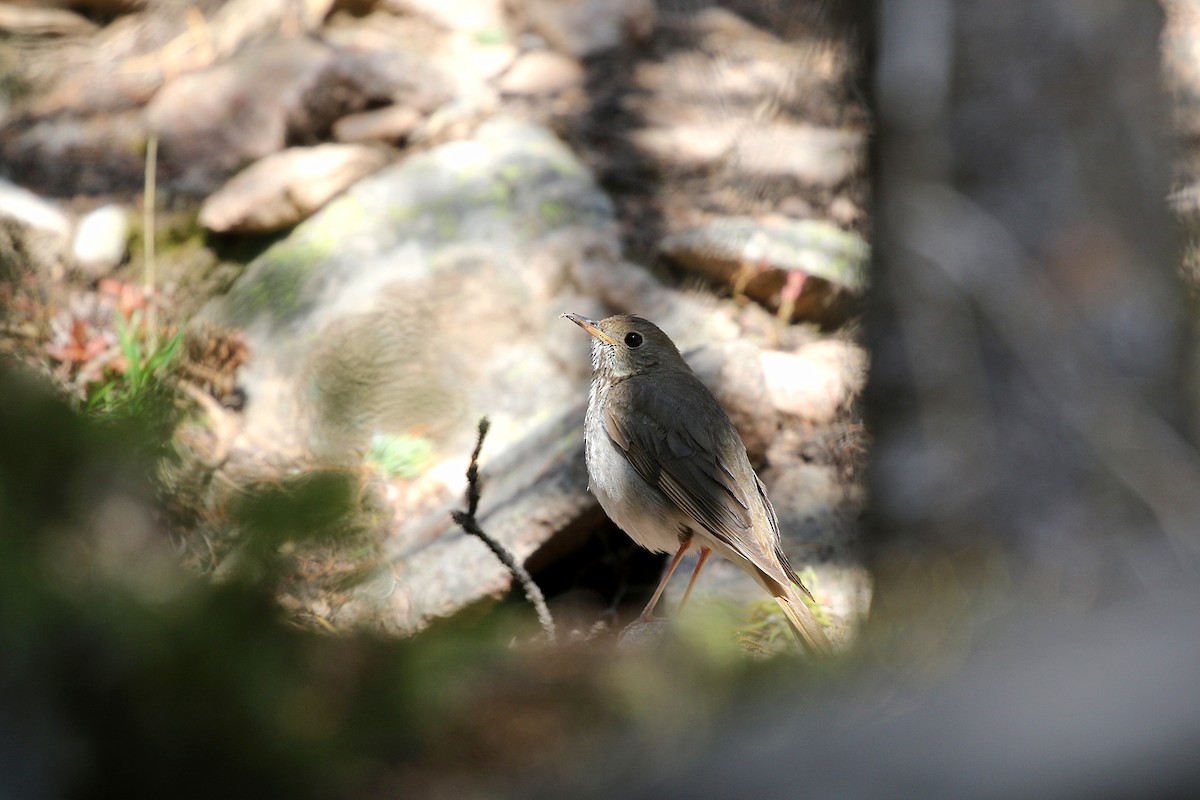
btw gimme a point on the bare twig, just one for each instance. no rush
(222, 427)
(473, 490)
(466, 520)
(150, 275)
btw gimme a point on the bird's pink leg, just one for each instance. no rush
(683, 548)
(705, 552)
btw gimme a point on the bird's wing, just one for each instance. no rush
(675, 446)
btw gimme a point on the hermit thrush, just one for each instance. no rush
(669, 468)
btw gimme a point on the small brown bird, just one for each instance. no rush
(669, 468)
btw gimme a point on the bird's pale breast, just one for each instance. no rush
(641, 510)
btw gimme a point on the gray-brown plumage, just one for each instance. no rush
(669, 468)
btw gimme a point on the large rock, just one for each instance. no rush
(816, 382)
(34, 233)
(423, 298)
(284, 188)
(542, 72)
(390, 124)
(805, 269)
(815, 156)
(212, 122)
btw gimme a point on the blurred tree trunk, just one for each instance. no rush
(1028, 329)
(1030, 412)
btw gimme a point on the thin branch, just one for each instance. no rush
(466, 520)
(473, 490)
(150, 267)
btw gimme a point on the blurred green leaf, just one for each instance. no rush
(399, 455)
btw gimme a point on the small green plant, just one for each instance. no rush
(808, 577)
(142, 376)
(491, 35)
(399, 455)
(767, 630)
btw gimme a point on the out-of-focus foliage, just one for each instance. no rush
(122, 674)
(399, 455)
(147, 358)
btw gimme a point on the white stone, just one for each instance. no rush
(284, 188)
(817, 381)
(389, 124)
(541, 72)
(34, 233)
(101, 240)
(817, 156)
(32, 211)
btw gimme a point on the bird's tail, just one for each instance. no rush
(805, 625)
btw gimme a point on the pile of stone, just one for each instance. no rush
(431, 231)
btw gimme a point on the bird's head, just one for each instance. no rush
(627, 345)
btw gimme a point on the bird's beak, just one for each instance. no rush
(591, 326)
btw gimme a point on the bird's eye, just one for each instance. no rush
(633, 339)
